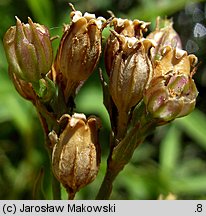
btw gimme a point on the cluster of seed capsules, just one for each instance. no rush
(153, 70)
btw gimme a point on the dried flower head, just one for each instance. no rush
(172, 92)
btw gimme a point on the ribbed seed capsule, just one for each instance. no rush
(76, 155)
(130, 71)
(79, 50)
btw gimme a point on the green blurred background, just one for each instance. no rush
(172, 159)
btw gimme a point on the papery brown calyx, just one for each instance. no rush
(79, 51)
(76, 155)
(130, 71)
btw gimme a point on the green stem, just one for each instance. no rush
(48, 122)
(122, 122)
(113, 169)
(107, 184)
(56, 189)
(122, 153)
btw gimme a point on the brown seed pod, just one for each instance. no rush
(76, 154)
(79, 50)
(130, 71)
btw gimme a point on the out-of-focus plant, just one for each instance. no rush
(150, 84)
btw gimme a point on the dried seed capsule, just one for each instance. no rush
(124, 27)
(131, 69)
(76, 155)
(29, 51)
(172, 92)
(127, 62)
(79, 50)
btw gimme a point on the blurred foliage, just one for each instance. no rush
(172, 160)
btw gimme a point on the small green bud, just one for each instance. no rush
(28, 50)
(45, 89)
